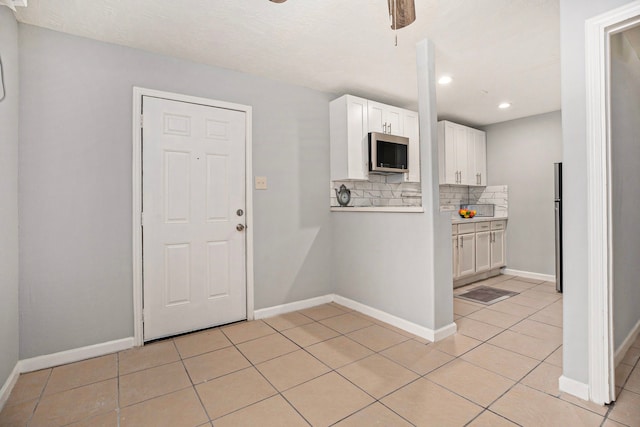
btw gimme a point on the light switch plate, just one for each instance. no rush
(261, 182)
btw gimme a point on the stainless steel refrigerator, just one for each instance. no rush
(558, 213)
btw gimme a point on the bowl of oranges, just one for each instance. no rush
(467, 213)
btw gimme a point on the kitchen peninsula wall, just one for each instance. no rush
(452, 196)
(379, 191)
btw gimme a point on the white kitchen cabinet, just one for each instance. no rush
(411, 128)
(466, 254)
(477, 157)
(454, 245)
(351, 120)
(497, 249)
(348, 134)
(483, 251)
(461, 154)
(452, 148)
(385, 118)
(478, 250)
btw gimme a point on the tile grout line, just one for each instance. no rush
(193, 386)
(40, 397)
(252, 365)
(118, 389)
(374, 352)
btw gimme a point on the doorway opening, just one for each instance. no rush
(608, 59)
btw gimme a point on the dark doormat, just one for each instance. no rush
(486, 295)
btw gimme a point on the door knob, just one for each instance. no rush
(239, 227)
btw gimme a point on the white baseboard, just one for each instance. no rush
(573, 387)
(530, 275)
(5, 391)
(444, 332)
(626, 344)
(292, 306)
(74, 355)
(421, 331)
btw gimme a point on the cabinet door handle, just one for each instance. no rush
(389, 127)
(462, 242)
(384, 127)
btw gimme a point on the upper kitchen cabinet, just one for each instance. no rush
(351, 120)
(462, 153)
(385, 118)
(348, 134)
(477, 164)
(411, 129)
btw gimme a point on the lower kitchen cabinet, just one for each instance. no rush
(454, 245)
(478, 250)
(497, 249)
(483, 251)
(466, 254)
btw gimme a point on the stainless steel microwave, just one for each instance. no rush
(388, 153)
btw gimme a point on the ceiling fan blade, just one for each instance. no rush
(403, 13)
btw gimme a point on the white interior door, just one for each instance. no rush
(194, 269)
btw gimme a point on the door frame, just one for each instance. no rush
(138, 93)
(598, 31)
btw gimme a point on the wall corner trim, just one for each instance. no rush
(8, 385)
(74, 355)
(421, 331)
(530, 275)
(413, 328)
(573, 387)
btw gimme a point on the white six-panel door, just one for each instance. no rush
(194, 273)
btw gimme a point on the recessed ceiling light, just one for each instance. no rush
(445, 80)
(504, 105)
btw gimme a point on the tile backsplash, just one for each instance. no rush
(452, 196)
(378, 191)
(497, 195)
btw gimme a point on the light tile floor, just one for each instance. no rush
(329, 365)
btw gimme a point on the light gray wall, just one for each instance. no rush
(625, 174)
(573, 14)
(9, 194)
(521, 154)
(75, 184)
(400, 263)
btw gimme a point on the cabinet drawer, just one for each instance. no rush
(454, 229)
(466, 228)
(483, 226)
(499, 225)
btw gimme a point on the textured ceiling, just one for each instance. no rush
(496, 50)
